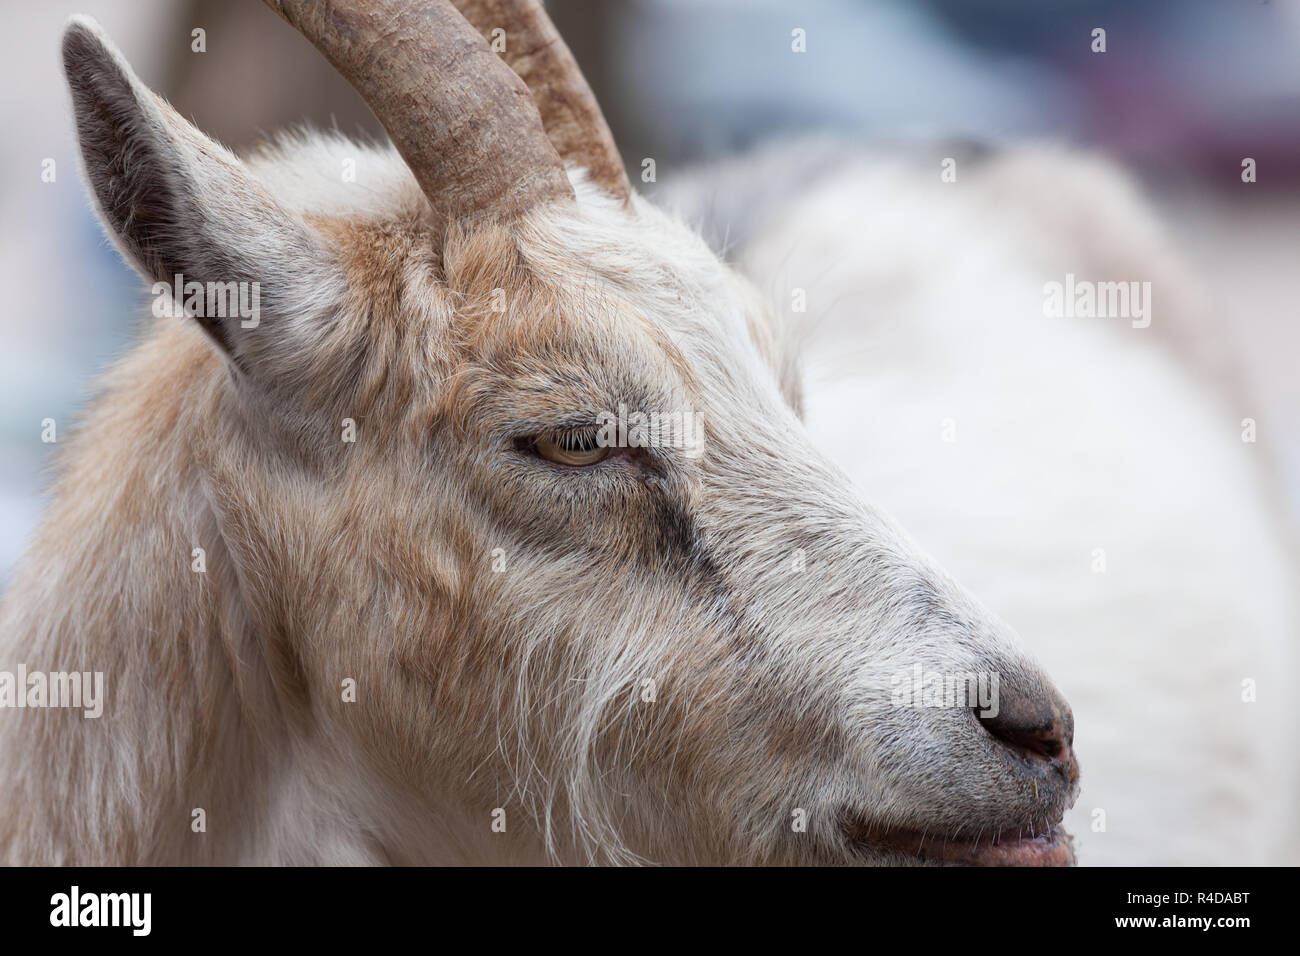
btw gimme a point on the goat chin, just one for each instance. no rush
(1085, 477)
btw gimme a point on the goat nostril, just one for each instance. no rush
(1043, 733)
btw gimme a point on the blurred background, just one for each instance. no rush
(1185, 89)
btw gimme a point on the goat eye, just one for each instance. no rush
(575, 448)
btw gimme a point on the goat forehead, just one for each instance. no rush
(530, 311)
(653, 278)
(590, 287)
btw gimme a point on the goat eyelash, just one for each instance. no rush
(576, 439)
(574, 447)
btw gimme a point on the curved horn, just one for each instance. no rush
(465, 124)
(569, 110)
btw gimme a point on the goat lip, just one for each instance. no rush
(1053, 848)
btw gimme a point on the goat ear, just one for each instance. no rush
(176, 203)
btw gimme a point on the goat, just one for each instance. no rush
(367, 584)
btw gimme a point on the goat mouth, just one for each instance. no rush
(1054, 847)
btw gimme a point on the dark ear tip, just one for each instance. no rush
(84, 42)
(81, 36)
(93, 66)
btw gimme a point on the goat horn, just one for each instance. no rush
(570, 113)
(465, 124)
